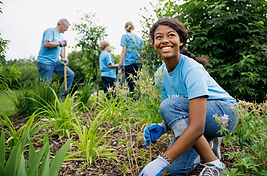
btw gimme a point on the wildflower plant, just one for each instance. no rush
(250, 136)
(222, 122)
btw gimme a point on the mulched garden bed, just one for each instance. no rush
(131, 155)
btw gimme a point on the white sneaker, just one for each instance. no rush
(215, 146)
(212, 170)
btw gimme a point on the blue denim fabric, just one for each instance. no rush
(174, 112)
(46, 72)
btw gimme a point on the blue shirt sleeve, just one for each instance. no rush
(48, 36)
(196, 83)
(123, 40)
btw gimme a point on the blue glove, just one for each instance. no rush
(155, 167)
(153, 132)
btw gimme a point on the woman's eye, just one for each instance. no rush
(158, 37)
(171, 35)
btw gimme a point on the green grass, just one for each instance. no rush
(6, 105)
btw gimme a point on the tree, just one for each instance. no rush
(233, 34)
(3, 44)
(8, 75)
(90, 35)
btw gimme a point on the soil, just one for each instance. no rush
(131, 155)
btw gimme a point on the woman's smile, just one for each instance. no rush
(167, 42)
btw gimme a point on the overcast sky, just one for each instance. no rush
(24, 21)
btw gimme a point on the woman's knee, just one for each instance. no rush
(174, 109)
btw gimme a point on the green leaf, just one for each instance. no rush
(32, 154)
(15, 156)
(2, 150)
(33, 168)
(22, 168)
(59, 159)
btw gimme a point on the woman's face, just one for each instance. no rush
(167, 42)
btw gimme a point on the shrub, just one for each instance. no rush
(232, 34)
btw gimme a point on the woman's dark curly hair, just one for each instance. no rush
(179, 27)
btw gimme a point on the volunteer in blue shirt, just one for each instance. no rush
(191, 99)
(51, 48)
(107, 67)
(130, 57)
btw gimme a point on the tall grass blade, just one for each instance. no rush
(2, 150)
(22, 168)
(15, 156)
(59, 159)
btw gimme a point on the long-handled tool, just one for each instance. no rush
(65, 69)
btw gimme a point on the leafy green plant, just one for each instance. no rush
(29, 100)
(8, 75)
(111, 109)
(85, 92)
(61, 114)
(92, 141)
(146, 107)
(37, 163)
(32, 126)
(90, 35)
(251, 137)
(231, 33)
(3, 42)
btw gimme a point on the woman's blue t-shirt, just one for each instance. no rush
(133, 45)
(189, 79)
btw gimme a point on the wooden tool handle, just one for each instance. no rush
(65, 69)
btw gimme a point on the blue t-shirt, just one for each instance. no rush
(189, 79)
(133, 45)
(105, 59)
(50, 55)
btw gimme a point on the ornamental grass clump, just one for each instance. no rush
(92, 141)
(61, 114)
(23, 162)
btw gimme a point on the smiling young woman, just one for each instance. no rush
(167, 44)
(191, 97)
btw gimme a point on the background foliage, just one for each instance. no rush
(232, 33)
(90, 35)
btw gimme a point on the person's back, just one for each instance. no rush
(133, 45)
(130, 57)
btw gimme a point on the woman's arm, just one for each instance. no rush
(195, 130)
(123, 54)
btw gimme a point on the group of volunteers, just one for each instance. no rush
(190, 96)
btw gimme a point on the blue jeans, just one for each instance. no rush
(46, 72)
(174, 112)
